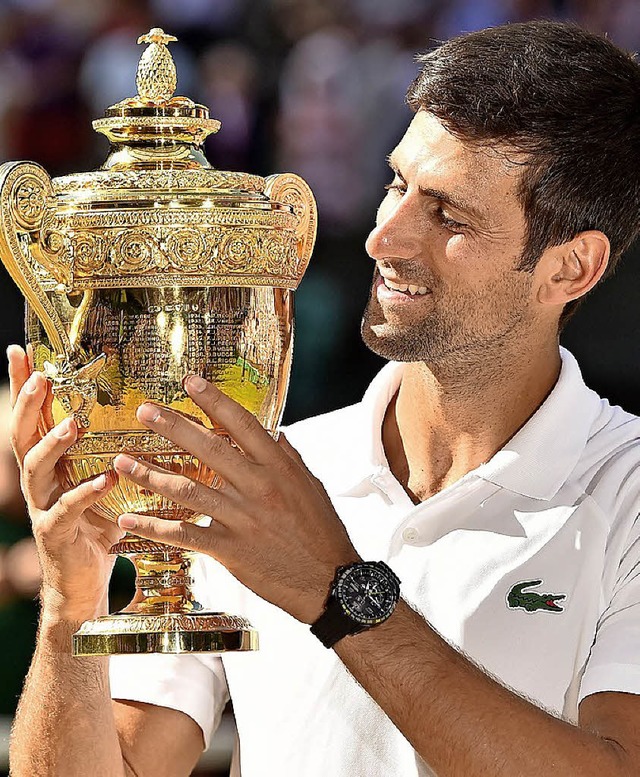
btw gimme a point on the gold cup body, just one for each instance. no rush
(154, 267)
(147, 341)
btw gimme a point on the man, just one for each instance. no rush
(500, 490)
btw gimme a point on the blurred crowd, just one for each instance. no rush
(314, 86)
(310, 86)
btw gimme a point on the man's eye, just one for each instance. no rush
(396, 187)
(449, 223)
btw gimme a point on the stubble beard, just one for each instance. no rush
(467, 330)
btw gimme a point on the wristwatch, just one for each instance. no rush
(361, 596)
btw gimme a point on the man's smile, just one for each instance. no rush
(398, 290)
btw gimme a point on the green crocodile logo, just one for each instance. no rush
(532, 601)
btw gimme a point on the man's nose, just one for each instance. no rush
(396, 234)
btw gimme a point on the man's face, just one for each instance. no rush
(450, 225)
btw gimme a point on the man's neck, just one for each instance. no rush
(444, 422)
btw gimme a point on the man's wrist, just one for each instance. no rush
(362, 595)
(57, 608)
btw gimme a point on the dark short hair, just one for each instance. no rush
(566, 98)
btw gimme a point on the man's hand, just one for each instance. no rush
(73, 541)
(273, 524)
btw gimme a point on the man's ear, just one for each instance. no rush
(570, 270)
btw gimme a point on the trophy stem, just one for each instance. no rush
(163, 579)
(164, 615)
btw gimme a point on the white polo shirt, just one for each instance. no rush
(555, 508)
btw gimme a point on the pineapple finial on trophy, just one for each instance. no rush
(155, 112)
(156, 78)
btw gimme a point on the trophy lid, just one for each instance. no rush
(159, 132)
(157, 213)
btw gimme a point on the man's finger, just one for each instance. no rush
(185, 535)
(241, 425)
(47, 408)
(73, 503)
(18, 371)
(180, 489)
(212, 449)
(26, 413)
(38, 466)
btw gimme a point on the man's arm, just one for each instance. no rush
(66, 720)
(64, 717)
(465, 724)
(65, 725)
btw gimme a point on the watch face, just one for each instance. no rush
(367, 593)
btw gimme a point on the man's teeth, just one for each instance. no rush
(405, 287)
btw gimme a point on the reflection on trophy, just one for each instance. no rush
(154, 267)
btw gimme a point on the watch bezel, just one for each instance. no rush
(377, 569)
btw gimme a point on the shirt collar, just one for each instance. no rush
(537, 460)
(368, 457)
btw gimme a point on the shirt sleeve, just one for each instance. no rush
(193, 683)
(614, 661)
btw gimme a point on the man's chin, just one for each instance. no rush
(385, 343)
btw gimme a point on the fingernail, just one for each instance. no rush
(127, 522)
(62, 429)
(196, 384)
(148, 412)
(31, 386)
(100, 482)
(11, 348)
(124, 463)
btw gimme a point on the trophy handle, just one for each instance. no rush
(25, 189)
(294, 191)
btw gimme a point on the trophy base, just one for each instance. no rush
(171, 633)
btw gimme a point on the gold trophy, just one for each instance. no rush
(151, 268)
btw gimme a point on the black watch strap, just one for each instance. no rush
(337, 620)
(333, 624)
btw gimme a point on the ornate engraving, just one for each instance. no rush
(54, 242)
(76, 387)
(202, 622)
(29, 202)
(113, 184)
(87, 251)
(280, 253)
(240, 279)
(295, 192)
(52, 256)
(133, 252)
(153, 122)
(146, 217)
(189, 247)
(124, 624)
(143, 248)
(15, 253)
(238, 250)
(135, 545)
(164, 581)
(111, 443)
